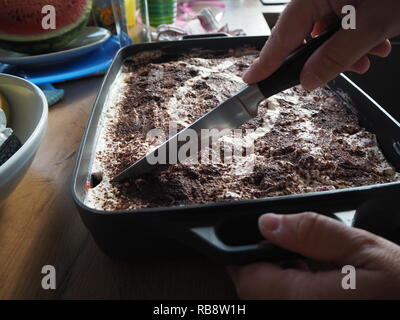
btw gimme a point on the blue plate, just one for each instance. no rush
(94, 62)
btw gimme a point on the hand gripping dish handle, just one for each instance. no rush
(208, 240)
(288, 74)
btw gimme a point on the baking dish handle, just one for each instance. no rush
(205, 35)
(210, 243)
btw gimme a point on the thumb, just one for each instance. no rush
(317, 237)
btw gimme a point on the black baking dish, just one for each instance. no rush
(225, 232)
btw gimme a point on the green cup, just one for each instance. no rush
(160, 11)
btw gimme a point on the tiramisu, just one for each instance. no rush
(303, 141)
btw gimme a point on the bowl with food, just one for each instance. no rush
(23, 121)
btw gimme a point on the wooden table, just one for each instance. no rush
(39, 224)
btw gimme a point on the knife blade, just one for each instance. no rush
(232, 113)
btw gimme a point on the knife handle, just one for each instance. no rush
(288, 74)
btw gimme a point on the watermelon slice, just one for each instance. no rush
(21, 24)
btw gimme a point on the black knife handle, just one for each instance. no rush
(288, 74)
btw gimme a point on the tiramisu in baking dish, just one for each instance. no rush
(303, 141)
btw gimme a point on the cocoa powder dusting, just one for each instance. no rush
(315, 142)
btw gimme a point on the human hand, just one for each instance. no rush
(376, 261)
(346, 50)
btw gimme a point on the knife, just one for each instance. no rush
(235, 111)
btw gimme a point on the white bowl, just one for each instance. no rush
(29, 121)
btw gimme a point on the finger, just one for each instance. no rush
(337, 55)
(293, 25)
(361, 66)
(318, 237)
(294, 264)
(264, 281)
(342, 50)
(303, 265)
(268, 281)
(323, 25)
(382, 50)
